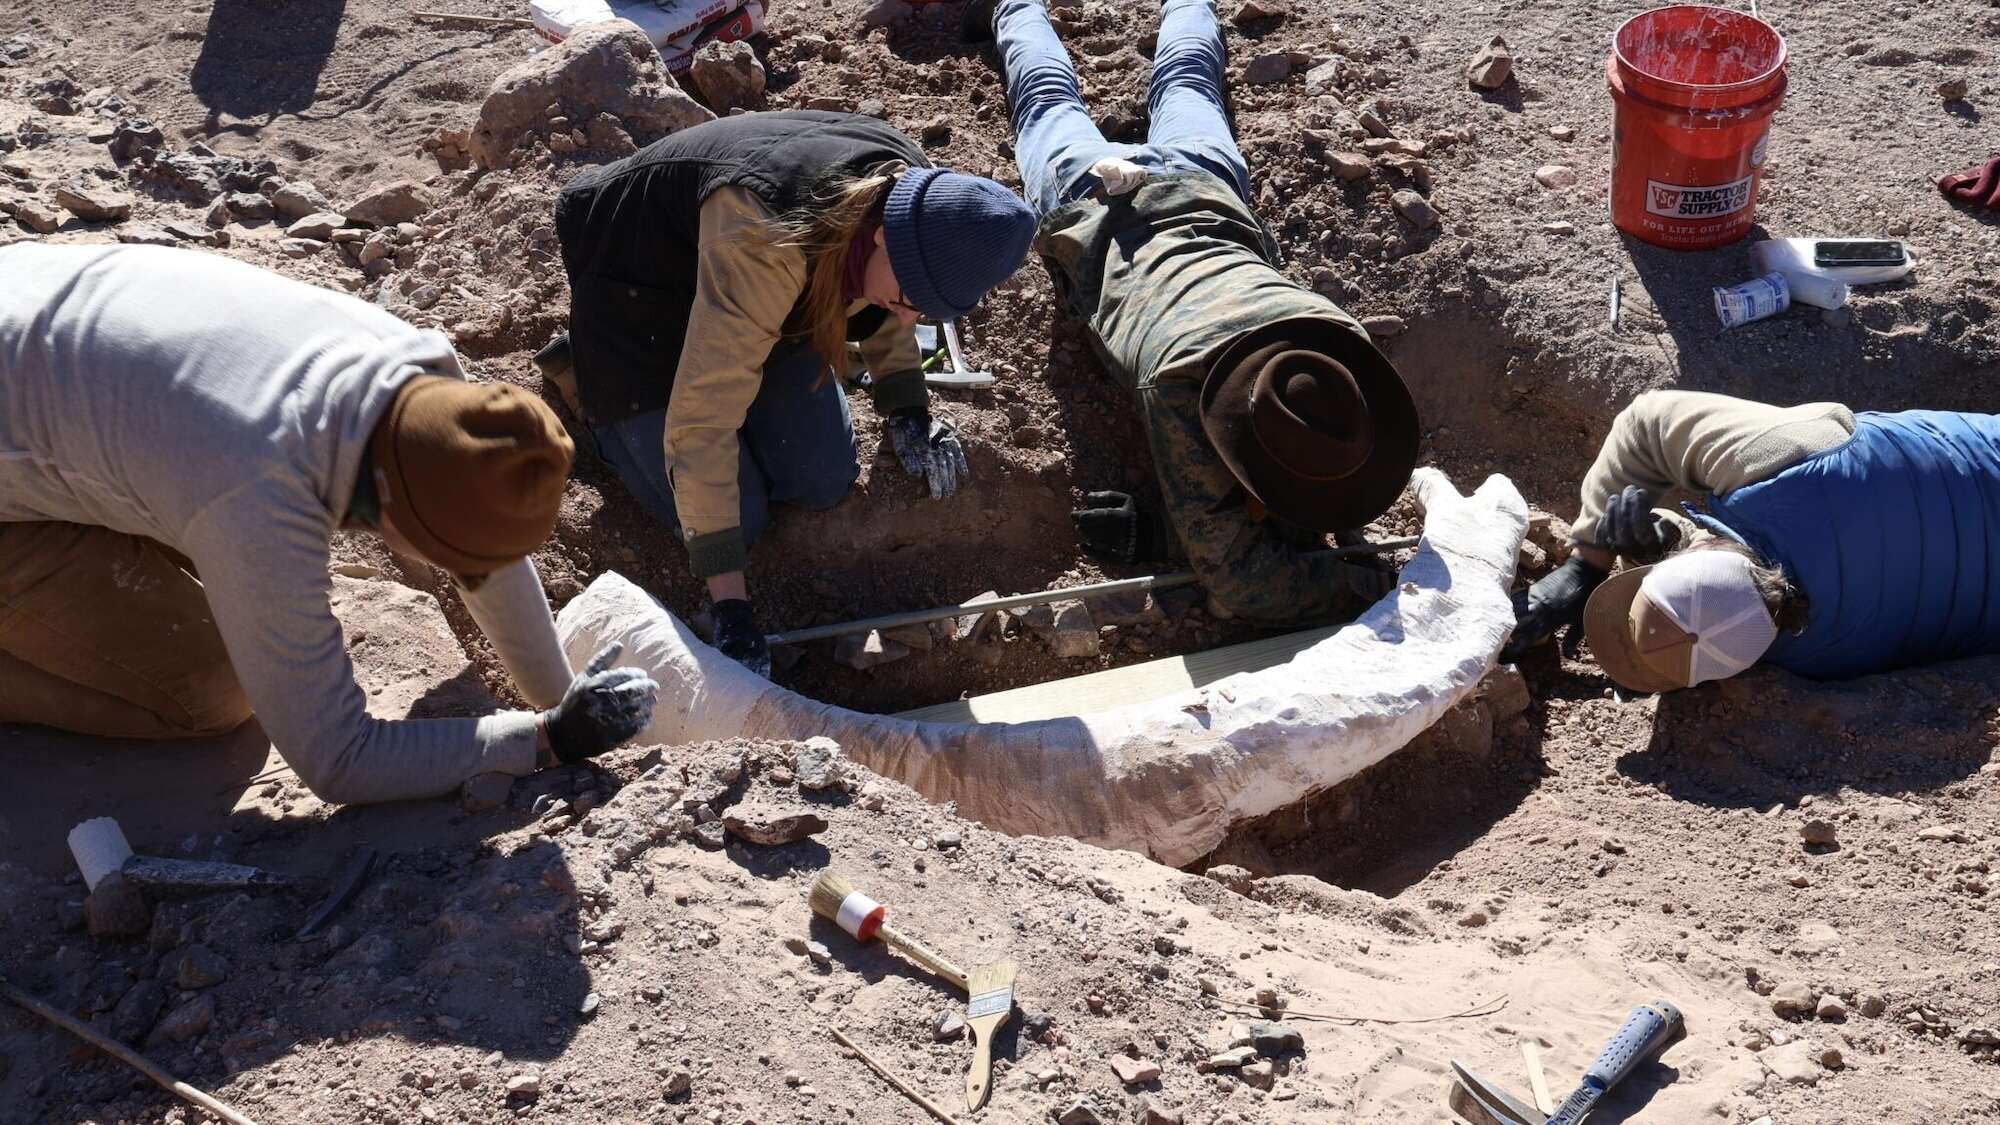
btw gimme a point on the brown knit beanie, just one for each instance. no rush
(471, 473)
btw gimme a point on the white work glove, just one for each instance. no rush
(1118, 175)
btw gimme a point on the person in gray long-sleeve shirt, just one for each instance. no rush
(181, 435)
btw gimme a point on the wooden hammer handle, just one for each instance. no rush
(922, 954)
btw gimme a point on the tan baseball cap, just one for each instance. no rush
(1693, 618)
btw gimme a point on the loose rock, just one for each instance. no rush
(392, 203)
(772, 825)
(1384, 326)
(192, 1018)
(1819, 834)
(196, 966)
(1555, 177)
(1268, 69)
(886, 13)
(1271, 1038)
(117, 909)
(135, 138)
(728, 76)
(1082, 1111)
(1135, 1072)
(299, 198)
(1492, 66)
(1794, 1063)
(1830, 1008)
(607, 69)
(1232, 1059)
(819, 763)
(138, 1010)
(319, 225)
(1794, 1000)
(248, 206)
(1350, 166)
(1152, 1111)
(35, 215)
(524, 1086)
(949, 1026)
(1954, 89)
(1252, 11)
(1416, 209)
(94, 204)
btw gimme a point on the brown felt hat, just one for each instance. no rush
(471, 473)
(1313, 422)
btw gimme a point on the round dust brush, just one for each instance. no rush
(836, 900)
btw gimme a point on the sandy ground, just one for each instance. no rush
(1587, 855)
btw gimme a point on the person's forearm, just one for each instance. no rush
(723, 587)
(1702, 443)
(510, 607)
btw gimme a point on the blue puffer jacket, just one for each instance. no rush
(1894, 535)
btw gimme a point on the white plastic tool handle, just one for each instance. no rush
(99, 848)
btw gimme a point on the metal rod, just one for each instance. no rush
(1018, 601)
(464, 17)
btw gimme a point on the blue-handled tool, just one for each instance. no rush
(1647, 1031)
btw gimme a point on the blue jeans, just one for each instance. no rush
(796, 447)
(1056, 142)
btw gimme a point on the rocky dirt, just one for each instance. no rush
(1574, 851)
(600, 944)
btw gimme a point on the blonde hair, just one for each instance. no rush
(824, 229)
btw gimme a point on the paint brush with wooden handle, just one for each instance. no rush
(836, 900)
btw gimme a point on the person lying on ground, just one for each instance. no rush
(180, 437)
(1271, 417)
(1833, 544)
(717, 278)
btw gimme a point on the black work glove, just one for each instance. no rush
(1552, 603)
(1629, 527)
(929, 449)
(1112, 526)
(603, 707)
(739, 639)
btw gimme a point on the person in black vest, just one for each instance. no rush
(717, 278)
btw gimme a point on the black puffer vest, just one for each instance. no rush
(631, 230)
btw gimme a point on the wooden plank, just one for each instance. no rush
(1120, 687)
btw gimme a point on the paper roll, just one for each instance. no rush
(99, 848)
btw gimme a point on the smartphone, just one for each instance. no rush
(1842, 253)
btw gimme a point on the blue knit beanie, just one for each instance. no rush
(952, 238)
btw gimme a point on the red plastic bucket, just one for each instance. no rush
(1694, 88)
